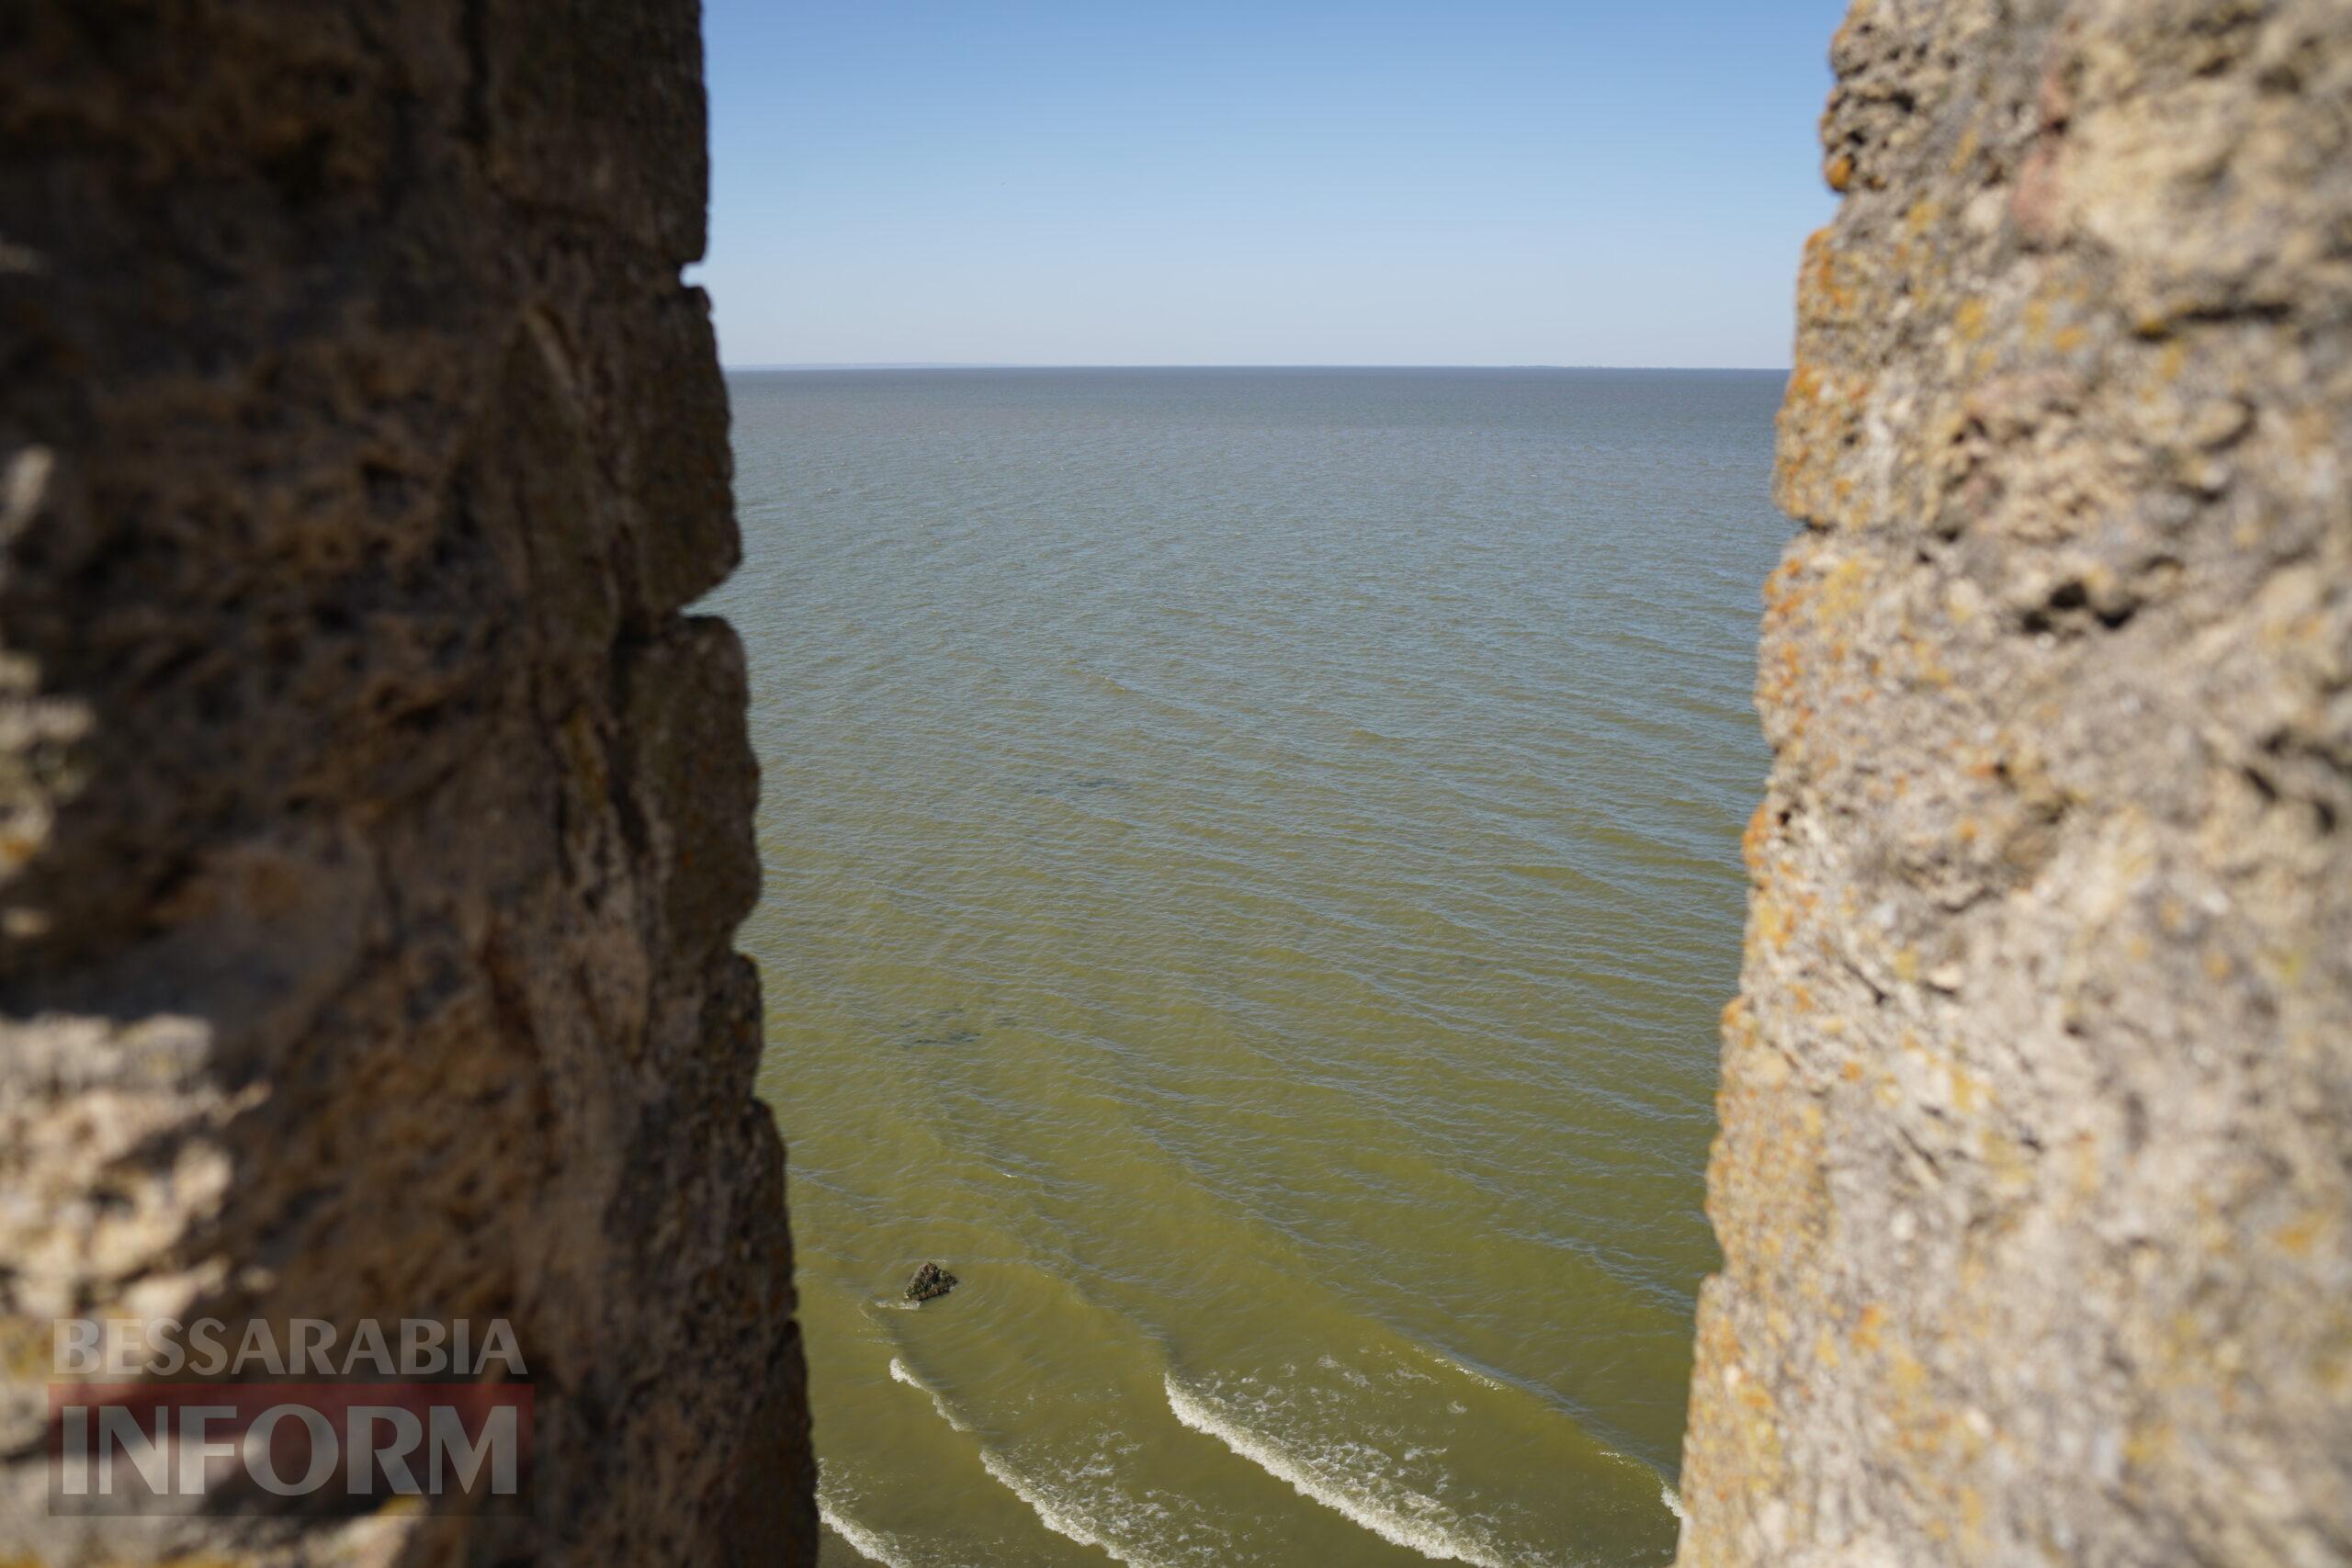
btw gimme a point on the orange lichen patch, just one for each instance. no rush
(1926, 667)
(2297, 1238)
(2286, 964)
(1907, 1375)
(1841, 592)
(2011, 1169)
(1851, 1072)
(1737, 1437)
(1820, 420)
(1784, 592)
(1823, 295)
(2084, 1153)
(1771, 924)
(2148, 1442)
(1752, 841)
(1840, 172)
(25, 1349)
(1969, 319)
(1868, 1328)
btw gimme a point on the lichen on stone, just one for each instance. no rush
(2032, 1181)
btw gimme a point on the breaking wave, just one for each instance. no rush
(1403, 1517)
(1060, 1512)
(870, 1544)
(898, 1370)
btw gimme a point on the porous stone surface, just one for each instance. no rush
(373, 822)
(2034, 1180)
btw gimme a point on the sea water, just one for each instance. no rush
(1251, 873)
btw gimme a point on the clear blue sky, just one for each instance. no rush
(1133, 182)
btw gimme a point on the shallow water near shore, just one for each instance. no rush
(1251, 873)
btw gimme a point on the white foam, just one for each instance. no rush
(898, 1370)
(1442, 1359)
(1673, 1502)
(1058, 1515)
(872, 1545)
(1319, 1480)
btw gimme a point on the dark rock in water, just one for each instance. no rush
(930, 1280)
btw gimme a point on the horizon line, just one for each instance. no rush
(1230, 364)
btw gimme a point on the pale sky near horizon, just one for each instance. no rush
(1133, 182)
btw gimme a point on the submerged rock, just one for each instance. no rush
(930, 1280)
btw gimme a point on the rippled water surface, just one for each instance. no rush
(1251, 873)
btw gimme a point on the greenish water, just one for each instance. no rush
(1251, 875)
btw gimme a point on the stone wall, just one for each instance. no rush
(2035, 1175)
(373, 824)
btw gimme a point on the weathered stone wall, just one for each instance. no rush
(372, 823)
(2035, 1175)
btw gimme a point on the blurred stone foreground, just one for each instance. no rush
(373, 825)
(2035, 1177)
